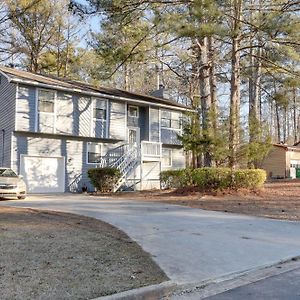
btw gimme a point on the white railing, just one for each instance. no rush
(151, 149)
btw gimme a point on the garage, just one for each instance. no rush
(43, 174)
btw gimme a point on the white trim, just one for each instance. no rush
(149, 124)
(107, 120)
(171, 156)
(12, 150)
(36, 119)
(126, 123)
(138, 132)
(159, 125)
(16, 106)
(100, 95)
(87, 152)
(91, 116)
(54, 113)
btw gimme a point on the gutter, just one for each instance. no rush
(97, 94)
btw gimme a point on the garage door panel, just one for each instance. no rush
(43, 174)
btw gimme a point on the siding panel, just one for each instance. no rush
(117, 121)
(7, 119)
(26, 108)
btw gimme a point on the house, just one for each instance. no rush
(53, 130)
(283, 162)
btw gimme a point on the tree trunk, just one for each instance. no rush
(278, 123)
(295, 116)
(213, 85)
(204, 86)
(235, 93)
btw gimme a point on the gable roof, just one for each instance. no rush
(25, 77)
(297, 144)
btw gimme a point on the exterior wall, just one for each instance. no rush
(73, 115)
(292, 156)
(7, 119)
(73, 150)
(275, 163)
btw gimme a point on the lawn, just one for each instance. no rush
(50, 255)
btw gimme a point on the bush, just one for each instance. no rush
(104, 179)
(175, 179)
(213, 178)
(249, 178)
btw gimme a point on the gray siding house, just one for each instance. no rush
(53, 130)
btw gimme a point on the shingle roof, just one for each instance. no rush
(84, 87)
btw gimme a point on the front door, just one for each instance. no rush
(133, 136)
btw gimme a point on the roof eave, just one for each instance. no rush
(98, 94)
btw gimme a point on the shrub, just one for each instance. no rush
(249, 178)
(104, 179)
(213, 178)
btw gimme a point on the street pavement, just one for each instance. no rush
(190, 245)
(285, 286)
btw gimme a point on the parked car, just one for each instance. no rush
(11, 185)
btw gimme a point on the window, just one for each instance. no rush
(46, 101)
(170, 119)
(99, 111)
(166, 157)
(93, 153)
(133, 111)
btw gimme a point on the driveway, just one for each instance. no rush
(190, 245)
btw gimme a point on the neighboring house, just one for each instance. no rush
(53, 130)
(283, 162)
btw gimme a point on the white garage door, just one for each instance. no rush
(43, 174)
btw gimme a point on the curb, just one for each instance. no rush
(151, 292)
(208, 287)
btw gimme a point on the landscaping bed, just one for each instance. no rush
(278, 200)
(51, 255)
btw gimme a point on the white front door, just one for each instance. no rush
(43, 174)
(133, 136)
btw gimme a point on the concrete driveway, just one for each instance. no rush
(190, 245)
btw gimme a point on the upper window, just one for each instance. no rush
(99, 111)
(93, 153)
(166, 157)
(46, 101)
(170, 119)
(133, 111)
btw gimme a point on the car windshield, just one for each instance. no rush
(7, 173)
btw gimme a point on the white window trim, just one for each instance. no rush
(138, 111)
(87, 153)
(138, 132)
(93, 120)
(54, 113)
(170, 165)
(170, 128)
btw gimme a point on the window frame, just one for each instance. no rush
(39, 90)
(170, 158)
(170, 119)
(105, 109)
(137, 111)
(87, 152)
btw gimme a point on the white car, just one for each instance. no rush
(11, 185)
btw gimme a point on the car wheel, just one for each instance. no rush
(21, 197)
